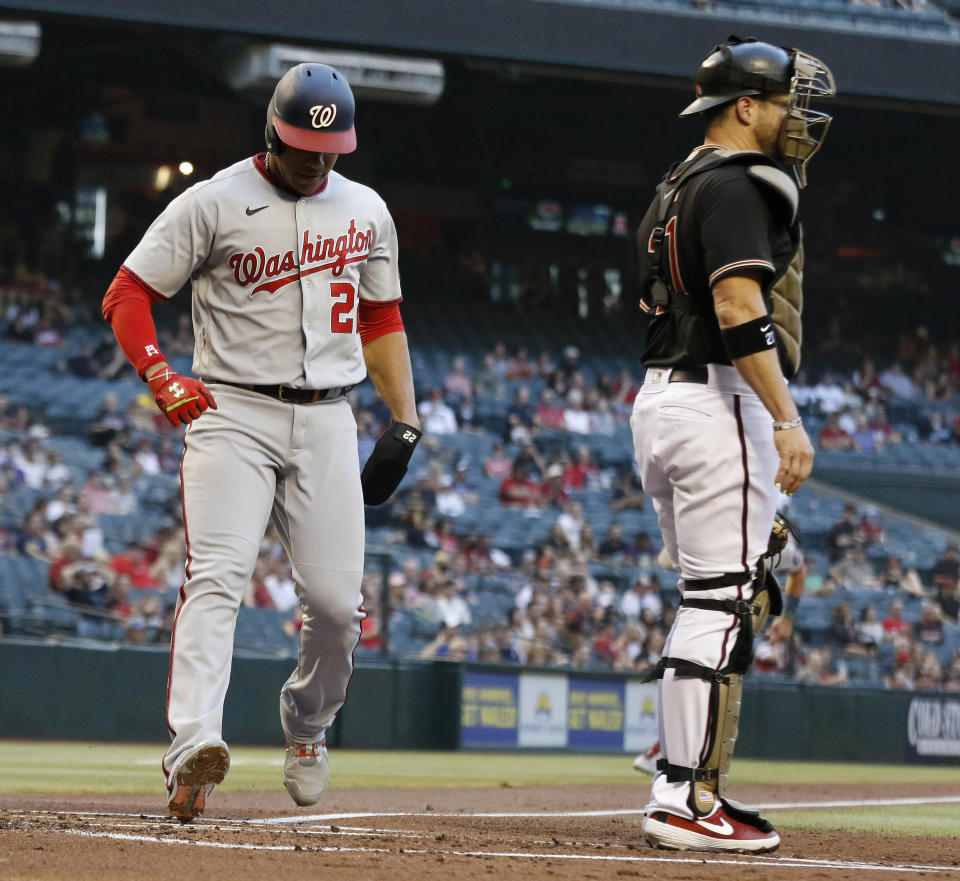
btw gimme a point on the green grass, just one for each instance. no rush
(27, 767)
(941, 821)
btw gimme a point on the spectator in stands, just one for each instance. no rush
(951, 676)
(821, 669)
(169, 458)
(31, 461)
(829, 396)
(865, 439)
(449, 501)
(134, 562)
(843, 533)
(929, 673)
(144, 623)
(869, 628)
(571, 521)
(123, 499)
(487, 384)
(946, 582)
(575, 418)
(602, 419)
(893, 624)
(499, 360)
(34, 539)
(614, 546)
(520, 366)
(64, 502)
(436, 417)
(895, 577)
(842, 631)
(628, 492)
(57, 473)
(870, 529)
(644, 551)
(95, 495)
(897, 383)
(168, 568)
(582, 472)
(928, 630)
(145, 459)
(110, 422)
(521, 417)
(550, 412)
(832, 436)
(934, 429)
(457, 382)
(552, 491)
(853, 571)
(520, 489)
(498, 464)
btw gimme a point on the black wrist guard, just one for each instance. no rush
(750, 337)
(388, 462)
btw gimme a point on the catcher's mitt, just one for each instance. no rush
(780, 534)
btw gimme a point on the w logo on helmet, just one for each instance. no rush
(322, 115)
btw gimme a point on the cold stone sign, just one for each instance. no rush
(933, 726)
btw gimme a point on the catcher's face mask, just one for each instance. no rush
(803, 130)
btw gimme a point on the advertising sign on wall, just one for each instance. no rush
(933, 726)
(488, 709)
(543, 711)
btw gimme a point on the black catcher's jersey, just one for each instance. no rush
(720, 222)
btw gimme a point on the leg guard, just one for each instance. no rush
(726, 684)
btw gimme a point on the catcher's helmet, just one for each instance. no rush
(740, 67)
(311, 109)
(747, 67)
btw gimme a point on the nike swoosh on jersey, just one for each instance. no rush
(723, 829)
(763, 329)
(252, 211)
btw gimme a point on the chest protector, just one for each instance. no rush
(784, 296)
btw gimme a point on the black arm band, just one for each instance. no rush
(749, 338)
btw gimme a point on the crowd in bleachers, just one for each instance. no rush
(521, 534)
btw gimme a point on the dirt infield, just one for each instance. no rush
(554, 833)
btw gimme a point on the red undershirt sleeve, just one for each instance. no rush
(126, 306)
(378, 319)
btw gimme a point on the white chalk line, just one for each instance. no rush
(505, 815)
(747, 860)
(614, 812)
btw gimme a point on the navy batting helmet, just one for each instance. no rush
(312, 109)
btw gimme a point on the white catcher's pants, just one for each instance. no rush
(252, 456)
(707, 459)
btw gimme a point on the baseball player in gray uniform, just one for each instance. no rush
(295, 297)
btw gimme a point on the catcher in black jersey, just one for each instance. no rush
(715, 428)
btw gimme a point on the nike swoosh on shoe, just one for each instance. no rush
(724, 828)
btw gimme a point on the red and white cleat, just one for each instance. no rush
(646, 762)
(194, 780)
(719, 832)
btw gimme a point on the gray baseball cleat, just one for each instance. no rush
(306, 771)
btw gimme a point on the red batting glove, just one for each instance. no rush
(180, 398)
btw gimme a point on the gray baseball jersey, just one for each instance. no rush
(276, 279)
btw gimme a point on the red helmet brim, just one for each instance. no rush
(316, 142)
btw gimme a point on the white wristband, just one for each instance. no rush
(796, 422)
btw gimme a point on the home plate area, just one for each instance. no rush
(555, 833)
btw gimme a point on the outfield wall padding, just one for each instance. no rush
(70, 692)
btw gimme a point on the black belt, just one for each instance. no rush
(697, 374)
(290, 395)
